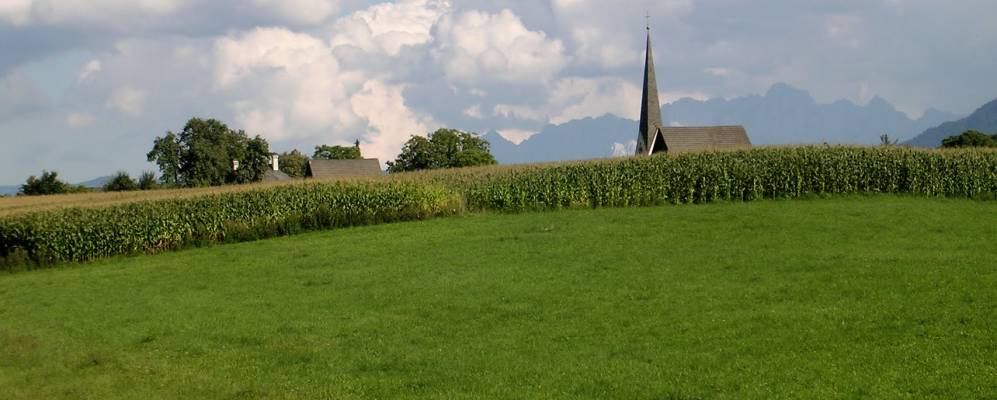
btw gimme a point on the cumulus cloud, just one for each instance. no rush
(289, 85)
(600, 36)
(574, 98)
(127, 100)
(388, 27)
(390, 122)
(477, 48)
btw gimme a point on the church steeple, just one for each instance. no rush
(650, 110)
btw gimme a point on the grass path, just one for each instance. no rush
(885, 297)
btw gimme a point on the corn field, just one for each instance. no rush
(78, 233)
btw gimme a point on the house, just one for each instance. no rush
(654, 137)
(274, 174)
(323, 169)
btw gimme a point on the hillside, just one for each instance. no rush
(983, 119)
(783, 115)
(892, 297)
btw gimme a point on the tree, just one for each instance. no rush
(970, 138)
(120, 182)
(293, 163)
(255, 161)
(208, 153)
(445, 148)
(49, 183)
(886, 141)
(166, 152)
(147, 181)
(325, 152)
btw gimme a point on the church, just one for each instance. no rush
(656, 138)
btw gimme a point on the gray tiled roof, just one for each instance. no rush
(694, 138)
(344, 168)
(275, 176)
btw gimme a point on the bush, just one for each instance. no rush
(970, 138)
(148, 181)
(49, 183)
(120, 182)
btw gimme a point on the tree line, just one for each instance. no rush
(206, 152)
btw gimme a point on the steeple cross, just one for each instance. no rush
(648, 16)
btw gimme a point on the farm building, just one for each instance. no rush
(655, 138)
(343, 168)
(274, 174)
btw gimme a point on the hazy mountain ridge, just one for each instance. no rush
(95, 183)
(783, 115)
(983, 119)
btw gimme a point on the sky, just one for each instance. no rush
(86, 85)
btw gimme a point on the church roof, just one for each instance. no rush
(697, 138)
(650, 110)
(344, 168)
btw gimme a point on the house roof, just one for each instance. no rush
(275, 176)
(344, 168)
(694, 138)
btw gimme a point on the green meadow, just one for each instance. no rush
(847, 297)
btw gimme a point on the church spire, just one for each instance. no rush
(650, 110)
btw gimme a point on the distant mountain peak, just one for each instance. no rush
(783, 115)
(784, 91)
(984, 119)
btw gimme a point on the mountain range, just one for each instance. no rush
(783, 115)
(983, 119)
(93, 184)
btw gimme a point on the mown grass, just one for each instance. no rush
(881, 297)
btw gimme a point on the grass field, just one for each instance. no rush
(884, 297)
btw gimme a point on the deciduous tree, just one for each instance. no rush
(445, 148)
(970, 138)
(293, 163)
(209, 153)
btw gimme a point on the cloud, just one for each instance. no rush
(388, 27)
(108, 13)
(474, 111)
(287, 84)
(605, 34)
(516, 136)
(19, 96)
(624, 149)
(306, 12)
(16, 12)
(477, 48)
(290, 86)
(127, 100)
(89, 70)
(574, 98)
(79, 120)
(522, 112)
(390, 122)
